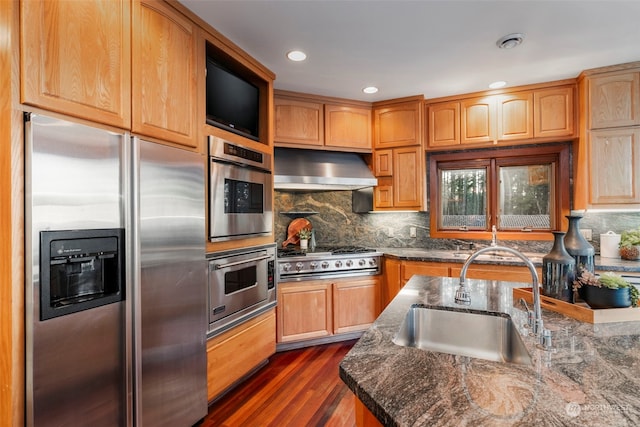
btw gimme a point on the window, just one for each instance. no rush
(518, 190)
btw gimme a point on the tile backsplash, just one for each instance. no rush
(336, 224)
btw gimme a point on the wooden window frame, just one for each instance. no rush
(561, 153)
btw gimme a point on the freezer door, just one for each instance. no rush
(170, 293)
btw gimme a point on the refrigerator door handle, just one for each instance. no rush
(245, 261)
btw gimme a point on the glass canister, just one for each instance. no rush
(558, 271)
(578, 247)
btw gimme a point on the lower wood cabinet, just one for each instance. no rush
(236, 352)
(321, 308)
(398, 272)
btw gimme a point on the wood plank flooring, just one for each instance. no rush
(296, 388)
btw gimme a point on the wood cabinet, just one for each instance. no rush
(356, 304)
(614, 166)
(78, 67)
(607, 158)
(521, 115)
(614, 100)
(509, 273)
(298, 122)
(478, 122)
(398, 124)
(554, 112)
(310, 121)
(164, 77)
(347, 127)
(322, 308)
(235, 353)
(401, 178)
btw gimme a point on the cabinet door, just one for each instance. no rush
(356, 304)
(164, 73)
(515, 116)
(408, 177)
(298, 122)
(347, 127)
(496, 272)
(553, 112)
(398, 125)
(383, 195)
(478, 123)
(304, 311)
(444, 124)
(614, 100)
(383, 162)
(615, 166)
(76, 59)
(236, 352)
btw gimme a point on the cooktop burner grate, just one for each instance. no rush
(323, 250)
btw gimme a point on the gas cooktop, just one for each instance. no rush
(337, 261)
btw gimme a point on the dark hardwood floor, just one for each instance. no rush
(296, 388)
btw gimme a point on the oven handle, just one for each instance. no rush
(232, 264)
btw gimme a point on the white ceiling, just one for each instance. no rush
(431, 47)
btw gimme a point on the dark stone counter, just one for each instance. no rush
(416, 254)
(591, 377)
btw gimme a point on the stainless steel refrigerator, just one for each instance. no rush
(115, 287)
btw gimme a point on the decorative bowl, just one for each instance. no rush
(605, 297)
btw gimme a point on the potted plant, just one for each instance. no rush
(608, 290)
(630, 244)
(304, 235)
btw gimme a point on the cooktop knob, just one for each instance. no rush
(372, 262)
(349, 263)
(313, 265)
(286, 267)
(338, 263)
(299, 266)
(362, 262)
(325, 264)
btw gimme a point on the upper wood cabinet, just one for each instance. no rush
(164, 73)
(607, 158)
(310, 121)
(75, 59)
(398, 124)
(347, 127)
(538, 114)
(298, 122)
(614, 100)
(554, 112)
(444, 124)
(401, 178)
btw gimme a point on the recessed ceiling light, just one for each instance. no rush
(498, 84)
(370, 89)
(510, 41)
(297, 55)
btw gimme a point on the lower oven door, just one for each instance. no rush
(238, 283)
(239, 202)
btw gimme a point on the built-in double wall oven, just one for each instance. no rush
(241, 285)
(240, 191)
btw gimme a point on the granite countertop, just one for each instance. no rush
(435, 255)
(591, 377)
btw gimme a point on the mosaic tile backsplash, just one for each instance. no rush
(336, 224)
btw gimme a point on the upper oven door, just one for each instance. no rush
(240, 202)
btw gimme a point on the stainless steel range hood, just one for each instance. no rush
(296, 169)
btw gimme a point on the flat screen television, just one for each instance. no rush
(233, 103)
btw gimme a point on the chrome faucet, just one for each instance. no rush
(463, 297)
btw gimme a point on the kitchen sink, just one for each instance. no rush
(473, 333)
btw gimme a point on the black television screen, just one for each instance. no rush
(232, 102)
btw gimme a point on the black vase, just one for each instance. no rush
(578, 247)
(558, 271)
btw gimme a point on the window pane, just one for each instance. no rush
(463, 198)
(525, 197)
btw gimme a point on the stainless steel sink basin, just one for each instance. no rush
(472, 333)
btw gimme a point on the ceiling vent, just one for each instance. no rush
(510, 41)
